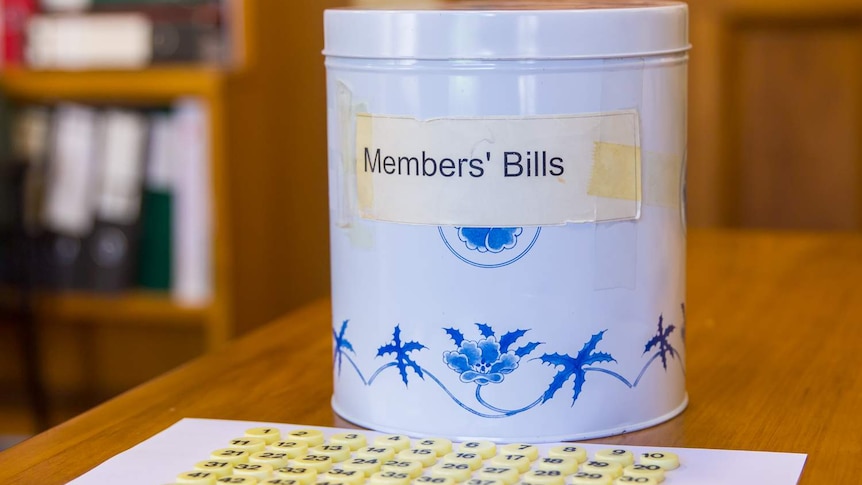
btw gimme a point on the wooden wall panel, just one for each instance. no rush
(775, 114)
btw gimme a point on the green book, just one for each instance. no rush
(155, 253)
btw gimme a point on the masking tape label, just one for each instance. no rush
(499, 171)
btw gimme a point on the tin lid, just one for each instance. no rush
(550, 29)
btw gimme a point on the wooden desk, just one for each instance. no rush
(775, 363)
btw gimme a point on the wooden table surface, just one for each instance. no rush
(774, 363)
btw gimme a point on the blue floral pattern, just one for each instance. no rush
(481, 361)
(490, 239)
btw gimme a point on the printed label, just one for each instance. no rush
(499, 171)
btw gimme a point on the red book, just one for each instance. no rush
(15, 16)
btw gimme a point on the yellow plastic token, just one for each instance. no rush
(312, 437)
(303, 475)
(565, 465)
(576, 452)
(544, 477)
(517, 460)
(649, 471)
(276, 459)
(292, 448)
(389, 478)
(505, 474)
(230, 455)
(485, 449)
(425, 456)
(248, 444)
(368, 466)
(590, 478)
(531, 451)
(320, 463)
(219, 468)
(627, 480)
(352, 440)
(617, 455)
(610, 468)
(253, 470)
(338, 453)
(482, 481)
(410, 467)
(383, 453)
(664, 459)
(237, 480)
(350, 477)
(426, 480)
(472, 459)
(456, 471)
(270, 435)
(280, 481)
(197, 477)
(441, 446)
(396, 441)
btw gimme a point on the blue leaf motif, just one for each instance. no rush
(574, 366)
(489, 239)
(401, 349)
(485, 330)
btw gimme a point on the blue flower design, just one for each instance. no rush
(481, 361)
(490, 239)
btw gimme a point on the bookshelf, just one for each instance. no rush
(151, 87)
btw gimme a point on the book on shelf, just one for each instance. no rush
(75, 35)
(122, 197)
(15, 15)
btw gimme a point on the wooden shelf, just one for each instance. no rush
(151, 308)
(152, 84)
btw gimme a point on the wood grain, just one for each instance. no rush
(773, 364)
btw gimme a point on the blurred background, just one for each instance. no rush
(163, 170)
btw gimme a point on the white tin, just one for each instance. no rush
(580, 320)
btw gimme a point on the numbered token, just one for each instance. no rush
(320, 463)
(338, 453)
(472, 459)
(383, 453)
(441, 446)
(197, 477)
(544, 477)
(607, 467)
(617, 455)
(649, 471)
(425, 456)
(456, 471)
(389, 478)
(352, 440)
(397, 442)
(280, 481)
(410, 467)
(591, 478)
(248, 444)
(276, 459)
(292, 448)
(219, 468)
(485, 449)
(270, 435)
(483, 481)
(664, 459)
(312, 437)
(516, 460)
(235, 480)
(230, 455)
(576, 452)
(302, 474)
(368, 466)
(531, 451)
(252, 470)
(349, 477)
(565, 465)
(505, 474)
(629, 480)
(426, 480)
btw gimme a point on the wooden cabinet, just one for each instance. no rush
(775, 114)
